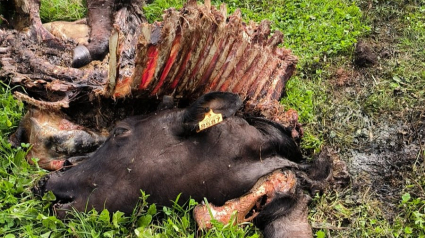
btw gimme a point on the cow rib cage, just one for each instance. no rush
(199, 49)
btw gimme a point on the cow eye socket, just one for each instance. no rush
(119, 131)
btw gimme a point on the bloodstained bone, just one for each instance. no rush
(199, 49)
(225, 54)
(266, 187)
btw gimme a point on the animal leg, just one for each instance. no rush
(265, 189)
(100, 21)
(286, 217)
(99, 16)
(37, 28)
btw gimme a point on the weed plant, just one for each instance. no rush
(1, 13)
(18, 208)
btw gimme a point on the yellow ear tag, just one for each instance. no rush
(210, 120)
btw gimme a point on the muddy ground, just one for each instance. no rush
(382, 138)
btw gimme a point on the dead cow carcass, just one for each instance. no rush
(192, 51)
(171, 152)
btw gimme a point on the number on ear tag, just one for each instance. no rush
(210, 120)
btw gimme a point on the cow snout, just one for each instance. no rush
(49, 183)
(68, 196)
(39, 188)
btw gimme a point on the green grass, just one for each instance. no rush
(12, 110)
(66, 10)
(1, 13)
(153, 12)
(394, 87)
(18, 208)
(337, 215)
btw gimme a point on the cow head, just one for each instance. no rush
(166, 153)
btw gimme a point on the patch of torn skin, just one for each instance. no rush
(77, 31)
(54, 138)
(249, 204)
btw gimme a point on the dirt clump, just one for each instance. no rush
(364, 55)
(344, 77)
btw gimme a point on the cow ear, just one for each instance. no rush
(214, 106)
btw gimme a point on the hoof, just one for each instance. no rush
(80, 56)
(98, 48)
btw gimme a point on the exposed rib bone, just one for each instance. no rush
(64, 103)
